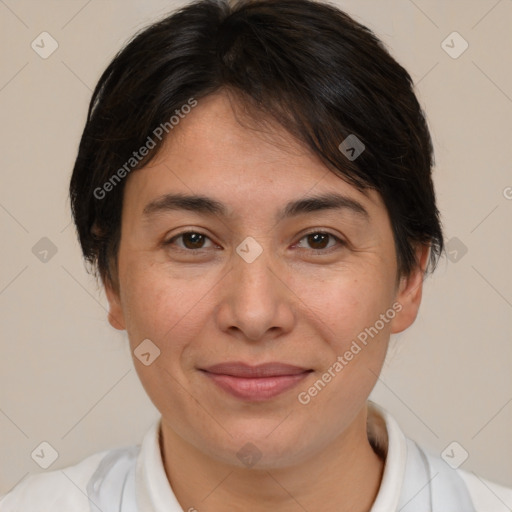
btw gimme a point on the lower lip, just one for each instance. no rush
(256, 389)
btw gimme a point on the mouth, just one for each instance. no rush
(255, 383)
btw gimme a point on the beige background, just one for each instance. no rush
(67, 377)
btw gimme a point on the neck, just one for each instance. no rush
(348, 481)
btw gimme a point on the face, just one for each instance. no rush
(255, 273)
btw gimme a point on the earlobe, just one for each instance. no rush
(410, 291)
(115, 312)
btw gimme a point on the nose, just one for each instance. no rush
(256, 304)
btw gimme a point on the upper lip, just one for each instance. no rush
(239, 369)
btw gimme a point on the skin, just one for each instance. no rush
(291, 305)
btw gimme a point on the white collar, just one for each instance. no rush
(385, 432)
(155, 494)
(412, 481)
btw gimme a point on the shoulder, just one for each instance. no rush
(467, 488)
(63, 489)
(487, 496)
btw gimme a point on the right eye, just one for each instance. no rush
(190, 241)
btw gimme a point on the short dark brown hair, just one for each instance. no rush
(306, 64)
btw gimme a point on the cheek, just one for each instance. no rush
(346, 305)
(162, 306)
(171, 312)
(354, 314)
(353, 349)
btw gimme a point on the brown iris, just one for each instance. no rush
(318, 240)
(193, 240)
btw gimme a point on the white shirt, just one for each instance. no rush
(133, 479)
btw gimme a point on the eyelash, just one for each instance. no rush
(340, 242)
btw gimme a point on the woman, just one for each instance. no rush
(254, 185)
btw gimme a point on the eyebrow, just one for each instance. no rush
(208, 206)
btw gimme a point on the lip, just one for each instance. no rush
(255, 383)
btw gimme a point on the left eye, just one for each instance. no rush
(318, 240)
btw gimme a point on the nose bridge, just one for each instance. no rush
(255, 301)
(254, 280)
(254, 275)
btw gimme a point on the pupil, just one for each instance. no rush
(314, 240)
(194, 238)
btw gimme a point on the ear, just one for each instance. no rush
(409, 292)
(115, 313)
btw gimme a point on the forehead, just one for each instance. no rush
(218, 151)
